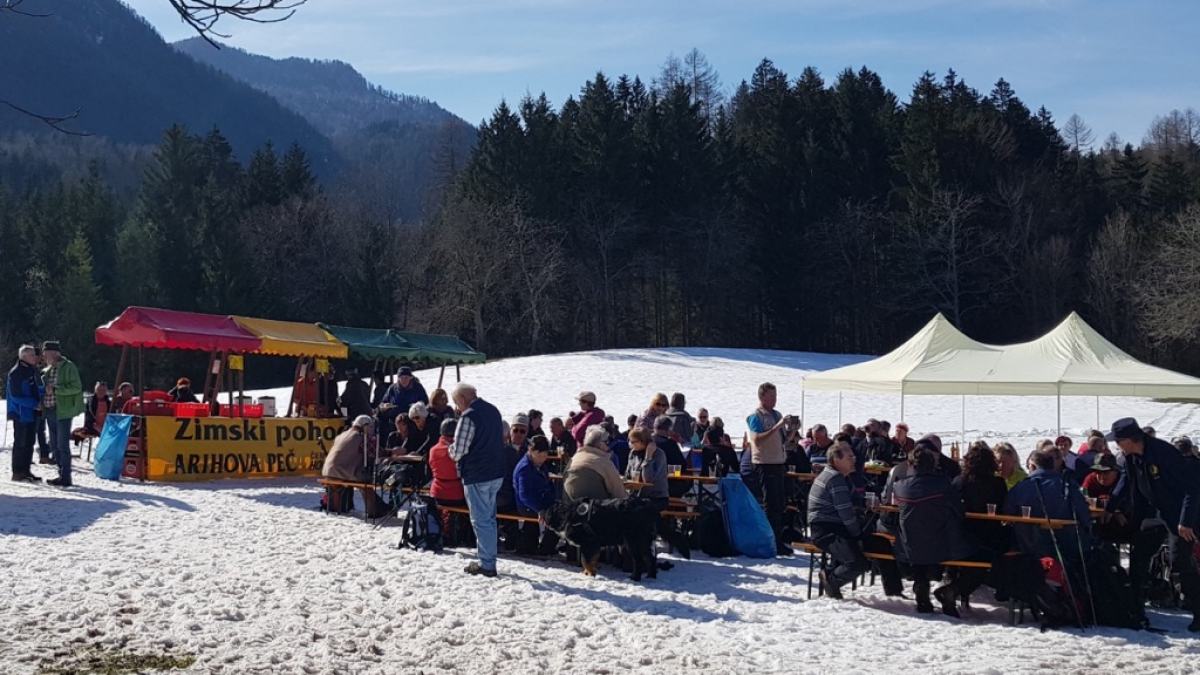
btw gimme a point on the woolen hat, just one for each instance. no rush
(404, 370)
(51, 346)
(363, 421)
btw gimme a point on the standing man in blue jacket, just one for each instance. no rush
(1170, 480)
(23, 392)
(478, 448)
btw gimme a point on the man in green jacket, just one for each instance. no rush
(61, 404)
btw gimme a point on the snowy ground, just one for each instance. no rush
(248, 576)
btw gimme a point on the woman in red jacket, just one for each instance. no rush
(447, 486)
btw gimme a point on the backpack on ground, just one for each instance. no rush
(337, 500)
(421, 529)
(1112, 592)
(709, 535)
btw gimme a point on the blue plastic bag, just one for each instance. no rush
(110, 449)
(749, 532)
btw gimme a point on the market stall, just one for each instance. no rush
(242, 437)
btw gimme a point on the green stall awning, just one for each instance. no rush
(373, 343)
(441, 349)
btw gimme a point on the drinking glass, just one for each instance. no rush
(991, 509)
(872, 500)
(675, 469)
(1026, 511)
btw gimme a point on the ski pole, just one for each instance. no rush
(1087, 582)
(1058, 551)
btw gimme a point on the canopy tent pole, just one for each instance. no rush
(1058, 408)
(839, 410)
(457, 373)
(1097, 412)
(801, 402)
(963, 422)
(141, 388)
(208, 377)
(441, 376)
(902, 402)
(116, 385)
(241, 384)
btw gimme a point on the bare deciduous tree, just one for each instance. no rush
(1166, 295)
(538, 277)
(1112, 271)
(1078, 134)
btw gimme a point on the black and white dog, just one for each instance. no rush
(592, 524)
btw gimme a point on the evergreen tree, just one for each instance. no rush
(296, 175)
(264, 183)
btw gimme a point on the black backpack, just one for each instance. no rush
(1112, 592)
(422, 528)
(709, 535)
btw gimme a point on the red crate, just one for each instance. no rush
(191, 409)
(244, 410)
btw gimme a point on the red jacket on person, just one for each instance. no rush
(447, 485)
(580, 422)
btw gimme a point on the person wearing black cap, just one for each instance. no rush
(1169, 481)
(405, 391)
(356, 396)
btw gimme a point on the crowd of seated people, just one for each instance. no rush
(846, 489)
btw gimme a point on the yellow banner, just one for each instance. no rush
(235, 362)
(206, 448)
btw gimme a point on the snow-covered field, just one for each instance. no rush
(247, 576)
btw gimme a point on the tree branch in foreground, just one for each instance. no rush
(203, 15)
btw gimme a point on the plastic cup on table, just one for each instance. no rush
(1026, 511)
(1092, 501)
(674, 469)
(872, 500)
(991, 509)
(1101, 502)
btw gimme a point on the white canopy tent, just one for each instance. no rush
(1073, 360)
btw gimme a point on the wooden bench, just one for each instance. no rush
(330, 483)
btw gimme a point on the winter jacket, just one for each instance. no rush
(1094, 488)
(579, 423)
(447, 486)
(1062, 500)
(671, 449)
(506, 498)
(976, 495)
(403, 397)
(882, 449)
(23, 392)
(68, 391)
(820, 452)
(485, 458)
(98, 408)
(534, 489)
(1174, 482)
(345, 458)
(903, 449)
(930, 520)
(722, 458)
(592, 475)
(682, 424)
(419, 441)
(829, 501)
(653, 471)
(563, 446)
(356, 398)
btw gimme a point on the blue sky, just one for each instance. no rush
(1117, 64)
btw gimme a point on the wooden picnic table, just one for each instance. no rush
(1050, 523)
(695, 478)
(801, 476)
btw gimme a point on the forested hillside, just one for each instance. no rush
(98, 57)
(798, 213)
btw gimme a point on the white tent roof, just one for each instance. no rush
(939, 359)
(1071, 360)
